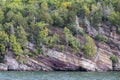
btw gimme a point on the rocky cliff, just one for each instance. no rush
(54, 59)
(60, 35)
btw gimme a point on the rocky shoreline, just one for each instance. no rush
(58, 61)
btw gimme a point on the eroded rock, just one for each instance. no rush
(11, 62)
(103, 62)
(73, 60)
(3, 67)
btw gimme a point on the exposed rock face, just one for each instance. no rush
(117, 65)
(72, 59)
(37, 65)
(24, 67)
(78, 24)
(88, 26)
(55, 60)
(103, 62)
(101, 30)
(89, 65)
(56, 64)
(89, 29)
(104, 53)
(11, 62)
(94, 32)
(3, 67)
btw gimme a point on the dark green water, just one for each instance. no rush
(26, 75)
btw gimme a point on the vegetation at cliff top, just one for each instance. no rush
(23, 21)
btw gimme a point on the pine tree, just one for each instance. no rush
(89, 47)
(21, 36)
(16, 47)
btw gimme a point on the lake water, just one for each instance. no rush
(58, 75)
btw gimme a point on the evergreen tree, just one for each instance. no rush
(89, 47)
(21, 36)
(15, 46)
(3, 44)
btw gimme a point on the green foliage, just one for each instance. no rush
(1, 15)
(82, 33)
(101, 38)
(118, 30)
(10, 15)
(71, 40)
(44, 14)
(62, 47)
(58, 20)
(23, 21)
(3, 44)
(19, 19)
(2, 49)
(86, 10)
(67, 34)
(42, 35)
(2, 52)
(3, 38)
(73, 29)
(114, 18)
(74, 42)
(96, 18)
(16, 7)
(51, 41)
(59, 13)
(89, 47)
(113, 58)
(21, 36)
(16, 47)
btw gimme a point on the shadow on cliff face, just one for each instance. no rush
(72, 69)
(82, 69)
(58, 65)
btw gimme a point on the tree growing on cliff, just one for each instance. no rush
(21, 36)
(3, 38)
(44, 14)
(16, 47)
(3, 44)
(51, 41)
(71, 40)
(1, 15)
(42, 34)
(114, 60)
(114, 18)
(101, 38)
(89, 47)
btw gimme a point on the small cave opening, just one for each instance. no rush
(82, 69)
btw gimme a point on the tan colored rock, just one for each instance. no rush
(103, 62)
(72, 59)
(3, 67)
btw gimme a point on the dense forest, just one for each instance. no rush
(52, 24)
